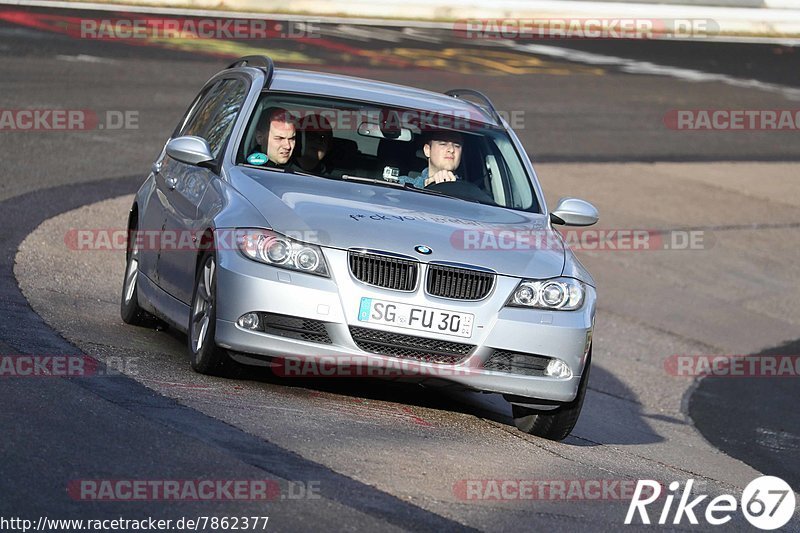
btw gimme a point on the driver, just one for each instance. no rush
(276, 136)
(443, 150)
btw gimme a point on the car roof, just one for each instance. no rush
(389, 94)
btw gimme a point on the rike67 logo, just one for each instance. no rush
(767, 502)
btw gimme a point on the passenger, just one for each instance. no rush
(443, 150)
(317, 138)
(276, 137)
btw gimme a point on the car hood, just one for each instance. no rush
(345, 215)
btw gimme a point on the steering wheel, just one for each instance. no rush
(463, 190)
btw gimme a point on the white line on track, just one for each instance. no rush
(415, 34)
(633, 66)
(84, 58)
(371, 34)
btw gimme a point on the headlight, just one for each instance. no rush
(274, 249)
(559, 294)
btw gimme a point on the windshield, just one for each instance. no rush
(420, 151)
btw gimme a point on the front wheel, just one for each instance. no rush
(129, 308)
(556, 424)
(206, 357)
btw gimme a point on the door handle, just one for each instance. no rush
(171, 182)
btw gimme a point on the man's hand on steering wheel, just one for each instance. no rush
(441, 176)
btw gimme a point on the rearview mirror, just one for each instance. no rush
(574, 212)
(371, 129)
(190, 150)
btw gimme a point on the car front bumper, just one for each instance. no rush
(245, 286)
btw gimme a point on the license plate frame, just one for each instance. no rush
(416, 317)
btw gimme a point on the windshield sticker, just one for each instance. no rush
(257, 158)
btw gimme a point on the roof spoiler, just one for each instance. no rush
(486, 103)
(260, 62)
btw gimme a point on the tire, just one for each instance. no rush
(129, 308)
(556, 424)
(205, 356)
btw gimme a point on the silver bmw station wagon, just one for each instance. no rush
(297, 216)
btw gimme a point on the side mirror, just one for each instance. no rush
(574, 212)
(190, 150)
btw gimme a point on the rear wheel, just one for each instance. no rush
(206, 357)
(558, 423)
(130, 311)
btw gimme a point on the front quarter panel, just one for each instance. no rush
(149, 218)
(573, 268)
(223, 207)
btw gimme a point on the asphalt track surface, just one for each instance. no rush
(391, 455)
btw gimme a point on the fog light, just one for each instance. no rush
(557, 368)
(249, 321)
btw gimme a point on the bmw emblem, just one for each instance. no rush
(424, 250)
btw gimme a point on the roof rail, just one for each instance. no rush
(487, 104)
(261, 62)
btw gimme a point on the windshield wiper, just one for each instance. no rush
(372, 181)
(289, 171)
(306, 173)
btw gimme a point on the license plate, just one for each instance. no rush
(415, 317)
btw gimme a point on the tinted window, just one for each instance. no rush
(214, 116)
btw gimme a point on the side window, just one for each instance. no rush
(215, 114)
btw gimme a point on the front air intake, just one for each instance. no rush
(384, 271)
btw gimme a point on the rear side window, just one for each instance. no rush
(215, 114)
